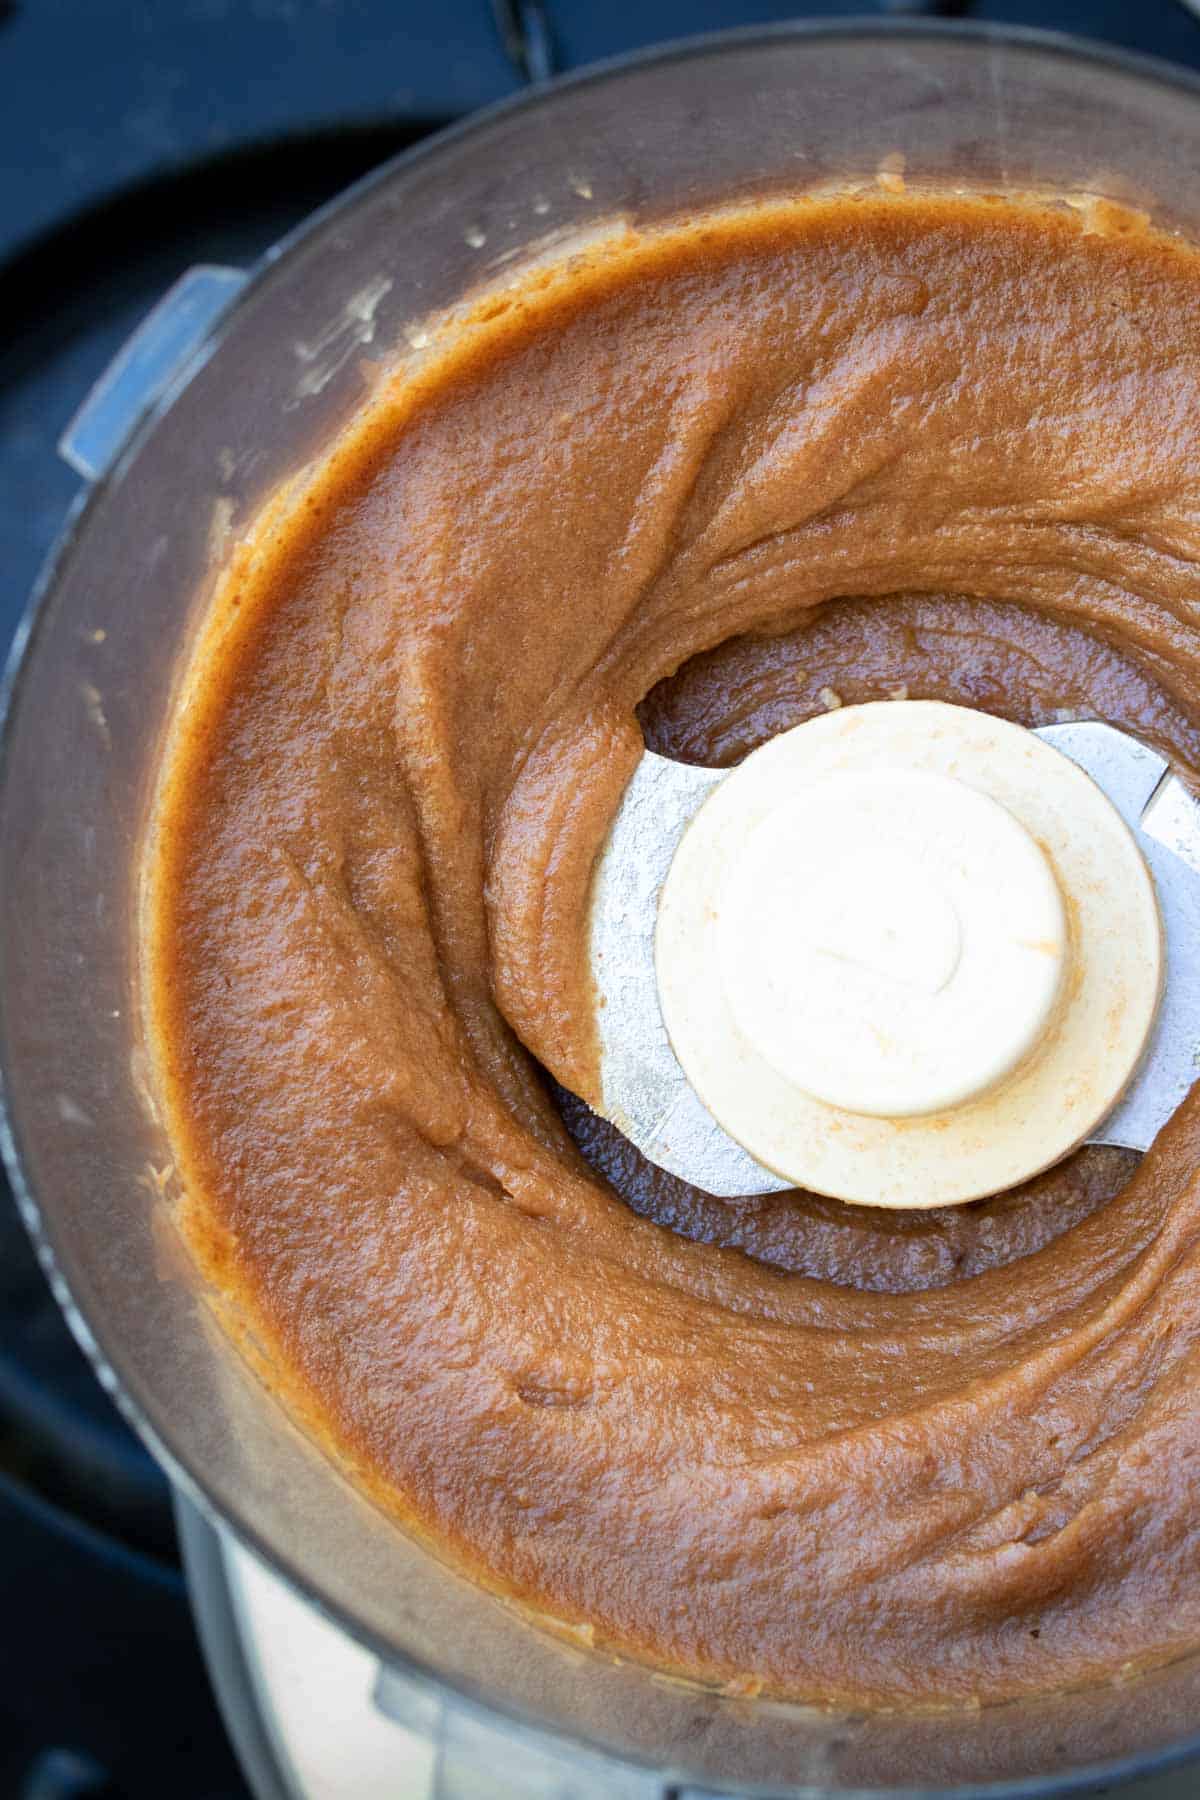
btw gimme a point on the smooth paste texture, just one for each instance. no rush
(687, 489)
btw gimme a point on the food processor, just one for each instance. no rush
(232, 385)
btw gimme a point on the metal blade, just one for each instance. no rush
(647, 1095)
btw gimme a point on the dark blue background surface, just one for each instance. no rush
(136, 139)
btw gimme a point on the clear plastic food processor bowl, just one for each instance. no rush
(280, 362)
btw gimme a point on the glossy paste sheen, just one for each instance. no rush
(687, 489)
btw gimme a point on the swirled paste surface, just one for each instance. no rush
(687, 490)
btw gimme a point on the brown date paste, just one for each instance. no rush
(685, 490)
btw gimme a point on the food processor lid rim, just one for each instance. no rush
(123, 1385)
